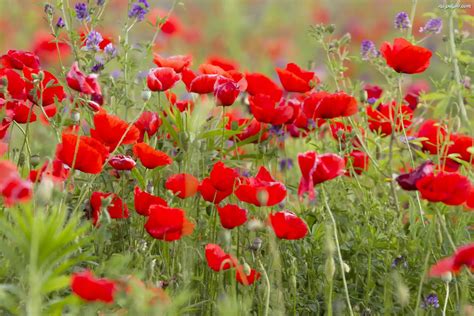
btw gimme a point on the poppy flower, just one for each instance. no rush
(219, 184)
(169, 23)
(463, 257)
(329, 105)
(116, 209)
(143, 200)
(265, 110)
(210, 193)
(48, 90)
(403, 57)
(13, 188)
(433, 135)
(182, 185)
(19, 59)
(55, 170)
(373, 91)
(470, 199)
(261, 190)
(203, 84)
(287, 225)
(166, 223)
(15, 85)
(78, 81)
(122, 162)
(177, 62)
(232, 216)
(150, 157)
(343, 133)
(148, 123)
(447, 187)
(317, 169)
(227, 90)
(161, 78)
(463, 145)
(49, 50)
(88, 157)
(359, 161)
(382, 118)
(246, 279)
(252, 128)
(91, 289)
(258, 83)
(110, 129)
(408, 180)
(224, 63)
(4, 126)
(20, 111)
(217, 259)
(295, 79)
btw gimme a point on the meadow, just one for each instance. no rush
(236, 157)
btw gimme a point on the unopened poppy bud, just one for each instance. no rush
(246, 268)
(254, 225)
(75, 116)
(45, 190)
(146, 95)
(48, 9)
(256, 244)
(34, 160)
(329, 268)
(330, 28)
(447, 277)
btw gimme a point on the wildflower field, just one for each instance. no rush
(236, 157)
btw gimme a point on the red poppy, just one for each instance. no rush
(447, 187)
(217, 259)
(329, 105)
(265, 110)
(110, 130)
(166, 223)
(252, 128)
(162, 78)
(148, 123)
(116, 209)
(20, 111)
(382, 118)
(463, 257)
(15, 84)
(373, 91)
(433, 135)
(13, 188)
(143, 200)
(49, 49)
(219, 184)
(19, 59)
(408, 180)
(4, 126)
(224, 63)
(261, 84)
(232, 216)
(150, 157)
(246, 279)
(203, 84)
(317, 169)
(177, 62)
(227, 90)
(92, 289)
(287, 225)
(210, 193)
(55, 170)
(359, 161)
(463, 145)
(122, 162)
(261, 190)
(343, 133)
(295, 79)
(404, 57)
(470, 199)
(182, 185)
(168, 22)
(48, 90)
(89, 157)
(78, 81)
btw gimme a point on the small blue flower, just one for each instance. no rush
(433, 26)
(93, 40)
(368, 50)
(138, 10)
(110, 50)
(97, 67)
(402, 21)
(285, 164)
(430, 301)
(60, 23)
(81, 11)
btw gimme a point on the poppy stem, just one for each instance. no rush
(267, 282)
(445, 306)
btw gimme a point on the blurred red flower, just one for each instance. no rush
(148, 123)
(19, 59)
(48, 90)
(463, 145)
(258, 83)
(382, 118)
(177, 62)
(92, 289)
(447, 187)
(464, 256)
(433, 134)
(110, 129)
(182, 185)
(78, 81)
(246, 279)
(143, 200)
(151, 158)
(116, 209)
(359, 160)
(122, 162)
(13, 188)
(56, 170)
(295, 79)
(231, 216)
(15, 84)
(217, 259)
(265, 110)
(287, 225)
(329, 105)
(162, 78)
(168, 223)
(404, 57)
(227, 90)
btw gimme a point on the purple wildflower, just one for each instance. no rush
(81, 11)
(97, 67)
(285, 164)
(399, 261)
(402, 21)
(60, 23)
(138, 10)
(100, 2)
(372, 100)
(368, 50)
(433, 26)
(110, 50)
(93, 40)
(430, 301)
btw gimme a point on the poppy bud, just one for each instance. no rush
(45, 190)
(75, 116)
(329, 268)
(226, 91)
(256, 244)
(447, 277)
(146, 95)
(162, 78)
(34, 160)
(246, 268)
